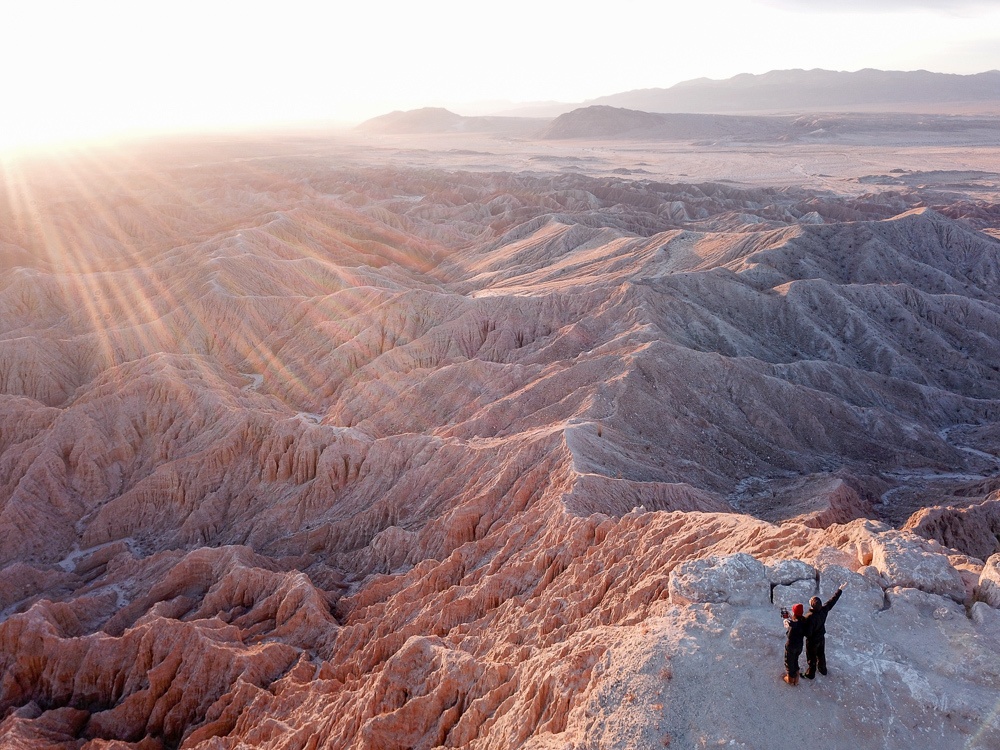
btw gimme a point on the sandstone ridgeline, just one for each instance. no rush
(297, 456)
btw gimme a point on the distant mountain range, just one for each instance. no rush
(776, 93)
(816, 90)
(792, 91)
(602, 121)
(439, 120)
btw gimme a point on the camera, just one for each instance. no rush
(785, 614)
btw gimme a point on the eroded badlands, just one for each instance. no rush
(299, 455)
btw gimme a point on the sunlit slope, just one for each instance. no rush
(331, 342)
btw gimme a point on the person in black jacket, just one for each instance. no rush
(815, 623)
(796, 627)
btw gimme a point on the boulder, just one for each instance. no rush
(864, 550)
(985, 616)
(799, 591)
(970, 569)
(834, 556)
(785, 572)
(989, 582)
(906, 562)
(737, 579)
(916, 603)
(862, 592)
(872, 575)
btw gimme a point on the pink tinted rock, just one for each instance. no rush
(973, 528)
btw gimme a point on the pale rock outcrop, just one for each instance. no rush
(830, 555)
(736, 579)
(915, 603)
(986, 616)
(903, 563)
(798, 592)
(864, 552)
(989, 582)
(970, 569)
(864, 591)
(705, 676)
(784, 572)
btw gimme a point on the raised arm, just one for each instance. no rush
(833, 599)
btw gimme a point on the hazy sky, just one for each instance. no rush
(79, 68)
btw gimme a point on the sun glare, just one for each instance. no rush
(105, 68)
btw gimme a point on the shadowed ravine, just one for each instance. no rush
(298, 456)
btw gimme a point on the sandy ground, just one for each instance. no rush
(834, 166)
(837, 163)
(819, 166)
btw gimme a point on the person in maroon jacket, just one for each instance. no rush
(816, 634)
(796, 631)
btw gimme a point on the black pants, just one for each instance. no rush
(816, 654)
(792, 660)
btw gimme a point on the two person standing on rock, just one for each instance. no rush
(812, 629)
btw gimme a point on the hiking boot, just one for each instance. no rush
(809, 675)
(791, 680)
